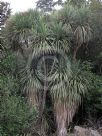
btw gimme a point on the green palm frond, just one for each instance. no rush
(68, 13)
(26, 26)
(83, 15)
(29, 80)
(78, 82)
(57, 29)
(71, 87)
(24, 19)
(40, 27)
(62, 74)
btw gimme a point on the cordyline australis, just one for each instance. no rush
(43, 53)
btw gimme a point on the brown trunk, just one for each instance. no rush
(64, 115)
(71, 109)
(43, 100)
(61, 119)
(75, 52)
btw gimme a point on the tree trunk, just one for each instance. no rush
(64, 115)
(43, 101)
(61, 119)
(75, 52)
(71, 110)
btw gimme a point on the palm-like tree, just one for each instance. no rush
(78, 18)
(45, 64)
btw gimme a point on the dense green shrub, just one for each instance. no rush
(15, 116)
(93, 103)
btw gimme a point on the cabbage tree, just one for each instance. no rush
(43, 49)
